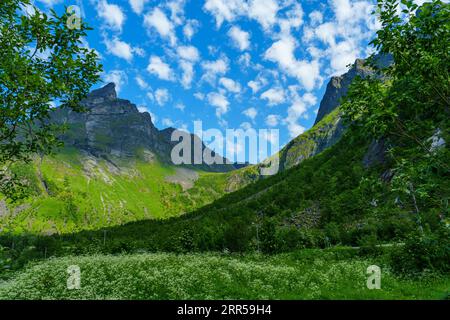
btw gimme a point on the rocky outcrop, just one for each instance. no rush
(376, 153)
(114, 127)
(338, 87)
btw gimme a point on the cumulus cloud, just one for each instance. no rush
(250, 113)
(180, 106)
(167, 122)
(219, 101)
(188, 73)
(157, 19)
(159, 68)
(162, 96)
(225, 10)
(189, 53)
(274, 96)
(141, 82)
(272, 120)
(119, 77)
(212, 69)
(188, 56)
(240, 38)
(50, 3)
(245, 60)
(282, 53)
(264, 11)
(299, 107)
(138, 5)
(111, 14)
(257, 84)
(119, 48)
(190, 28)
(315, 18)
(344, 36)
(230, 85)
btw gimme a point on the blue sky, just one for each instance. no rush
(230, 63)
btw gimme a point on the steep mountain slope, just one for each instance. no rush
(113, 128)
(115, 168)
(327, 130)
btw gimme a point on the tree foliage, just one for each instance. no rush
(42, 61)
(407, 103)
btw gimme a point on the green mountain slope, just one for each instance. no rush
(73, 191)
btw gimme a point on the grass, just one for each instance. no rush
(80, 200)
(306, 274)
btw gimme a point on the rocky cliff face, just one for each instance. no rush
(113, 127)
(327, 130)
(338, 87)
(328, 127)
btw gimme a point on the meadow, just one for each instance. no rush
(338, 273)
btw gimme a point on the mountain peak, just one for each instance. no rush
(107, 92)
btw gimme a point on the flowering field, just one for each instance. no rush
(310, 274)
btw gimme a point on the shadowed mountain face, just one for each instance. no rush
(113, 127)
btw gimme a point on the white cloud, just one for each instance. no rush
(218, 101)
(282, 52)
(141, 82)
(272, 120)
(50, 3)
(119, 77)
(274, 96)
(245, 125)
(188, 53)
(230, 85)
(298, 108)
(315, 17)
(142, 109)
(190, 28)
(112, 14)
(160, 68)
(188, 73)
(225, 10)
(119, 49)
(264, 11)
(344, 36)
(162, 96)
(250, 113)
(138, 5)
(167, 122)
(188, 56)
(158, 20)
(257, 84)
(245, 60)
(214, 68)
(293, 20)
(180, 106)
(240, 38)
(153, 116)
(200, 96)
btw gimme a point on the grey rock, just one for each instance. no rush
(376, 153)
(338, 87)
(114, 127)
(437, 141)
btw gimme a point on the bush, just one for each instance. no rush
(427, 251)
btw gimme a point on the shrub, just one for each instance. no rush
(427, 251)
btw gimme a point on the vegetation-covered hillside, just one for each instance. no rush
(379, 195)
